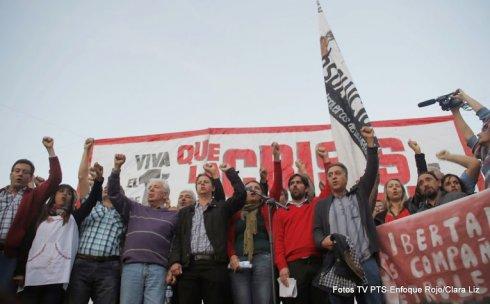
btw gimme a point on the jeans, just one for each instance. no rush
(7, 268)
(97, 280)
(371, 269)
(373, 277)
(143, 283)
(253, 286)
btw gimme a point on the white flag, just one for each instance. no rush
(347, 114)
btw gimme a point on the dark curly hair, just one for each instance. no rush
(449, 175)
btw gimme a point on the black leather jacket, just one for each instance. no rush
(216, 219)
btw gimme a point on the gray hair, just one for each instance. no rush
(190, 192)
(163, 182)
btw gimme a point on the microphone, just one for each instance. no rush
(427, 103)
(268, 200)
(258, 193)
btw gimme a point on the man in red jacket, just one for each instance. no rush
(295, 253)
(19, 208)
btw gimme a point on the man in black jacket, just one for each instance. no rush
(349, 214)
(198, 255)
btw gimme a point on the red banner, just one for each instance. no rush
(439, 255)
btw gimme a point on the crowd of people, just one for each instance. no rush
(64, 245)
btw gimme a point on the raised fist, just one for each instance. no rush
(322, 152)
(119, 160)
(211, 170)
(414, 146)
(38, 180)
(224, 167)
(367, 132)
(99, 172)
(444, 154)
(276, 151)
(89, 142)
(301, 166)
(48, 142)
(263, 174)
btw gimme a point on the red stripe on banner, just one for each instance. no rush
(253, 130)
(411, 121)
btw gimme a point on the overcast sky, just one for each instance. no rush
(77, 69)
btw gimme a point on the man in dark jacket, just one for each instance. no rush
(198, 255)
(349, 214)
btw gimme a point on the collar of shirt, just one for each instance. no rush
(305, 201)
(346, 193)
(101, 204)
(8, 190)
(199, 206)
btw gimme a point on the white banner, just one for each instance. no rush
(179, 157)
(347, 112)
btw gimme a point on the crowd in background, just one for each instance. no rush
(59, 244)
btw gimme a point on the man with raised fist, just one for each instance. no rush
(19, 207)
(148, 237)
(96, 272)
(199, 258)
(295, 254)
(348, 213)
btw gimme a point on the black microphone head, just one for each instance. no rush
(427, 103)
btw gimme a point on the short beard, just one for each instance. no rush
(432, 195)
(299, 196)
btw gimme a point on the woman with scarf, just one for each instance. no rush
(248, 242)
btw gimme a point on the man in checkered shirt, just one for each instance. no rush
(96, 272)
(19, 207)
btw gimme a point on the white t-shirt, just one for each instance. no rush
(52, 253)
